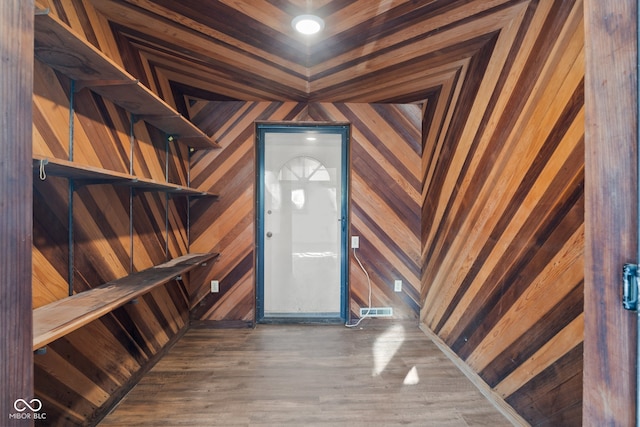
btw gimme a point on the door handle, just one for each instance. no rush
(269, 234)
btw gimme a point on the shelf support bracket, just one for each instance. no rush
(71, 262)
(132, 141)
(70, 234)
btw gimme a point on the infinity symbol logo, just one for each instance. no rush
(22, 405)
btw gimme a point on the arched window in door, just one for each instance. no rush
(303, 169)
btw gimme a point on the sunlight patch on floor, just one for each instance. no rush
(385, 347)
(412, 377)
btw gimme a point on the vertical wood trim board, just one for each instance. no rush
(16, 372)
(611, 214)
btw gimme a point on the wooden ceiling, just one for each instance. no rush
(393, 51)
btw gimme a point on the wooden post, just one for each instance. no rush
(610, 211)
(16, 90)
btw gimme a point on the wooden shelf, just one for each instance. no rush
(57, 45)
(59, 318)
(92, 175)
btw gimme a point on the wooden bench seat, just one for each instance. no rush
(61, 317)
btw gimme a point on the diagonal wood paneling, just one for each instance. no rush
(385, 202)
(83, 374)
(467, 183)
(503, 223)
(133, 336)
(248, 51)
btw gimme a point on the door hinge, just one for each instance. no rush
(630, 287)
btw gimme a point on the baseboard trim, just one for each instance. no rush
(221, 324)
(493, 397)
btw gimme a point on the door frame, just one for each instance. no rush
(300, 127)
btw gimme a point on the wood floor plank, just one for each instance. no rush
(382, 373)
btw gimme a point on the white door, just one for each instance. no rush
(302, 225)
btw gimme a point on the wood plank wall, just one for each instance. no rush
(85, 373)
(503, 224)
(484, 221)
(502, 235)
(16, 375)
(385, 202)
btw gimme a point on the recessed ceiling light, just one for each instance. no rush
(307, 24)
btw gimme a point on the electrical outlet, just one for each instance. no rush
(355, 242)
(215, 286)
(397, 286)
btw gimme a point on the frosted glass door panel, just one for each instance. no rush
(302, 224)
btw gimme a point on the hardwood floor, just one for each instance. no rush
(379, 374)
